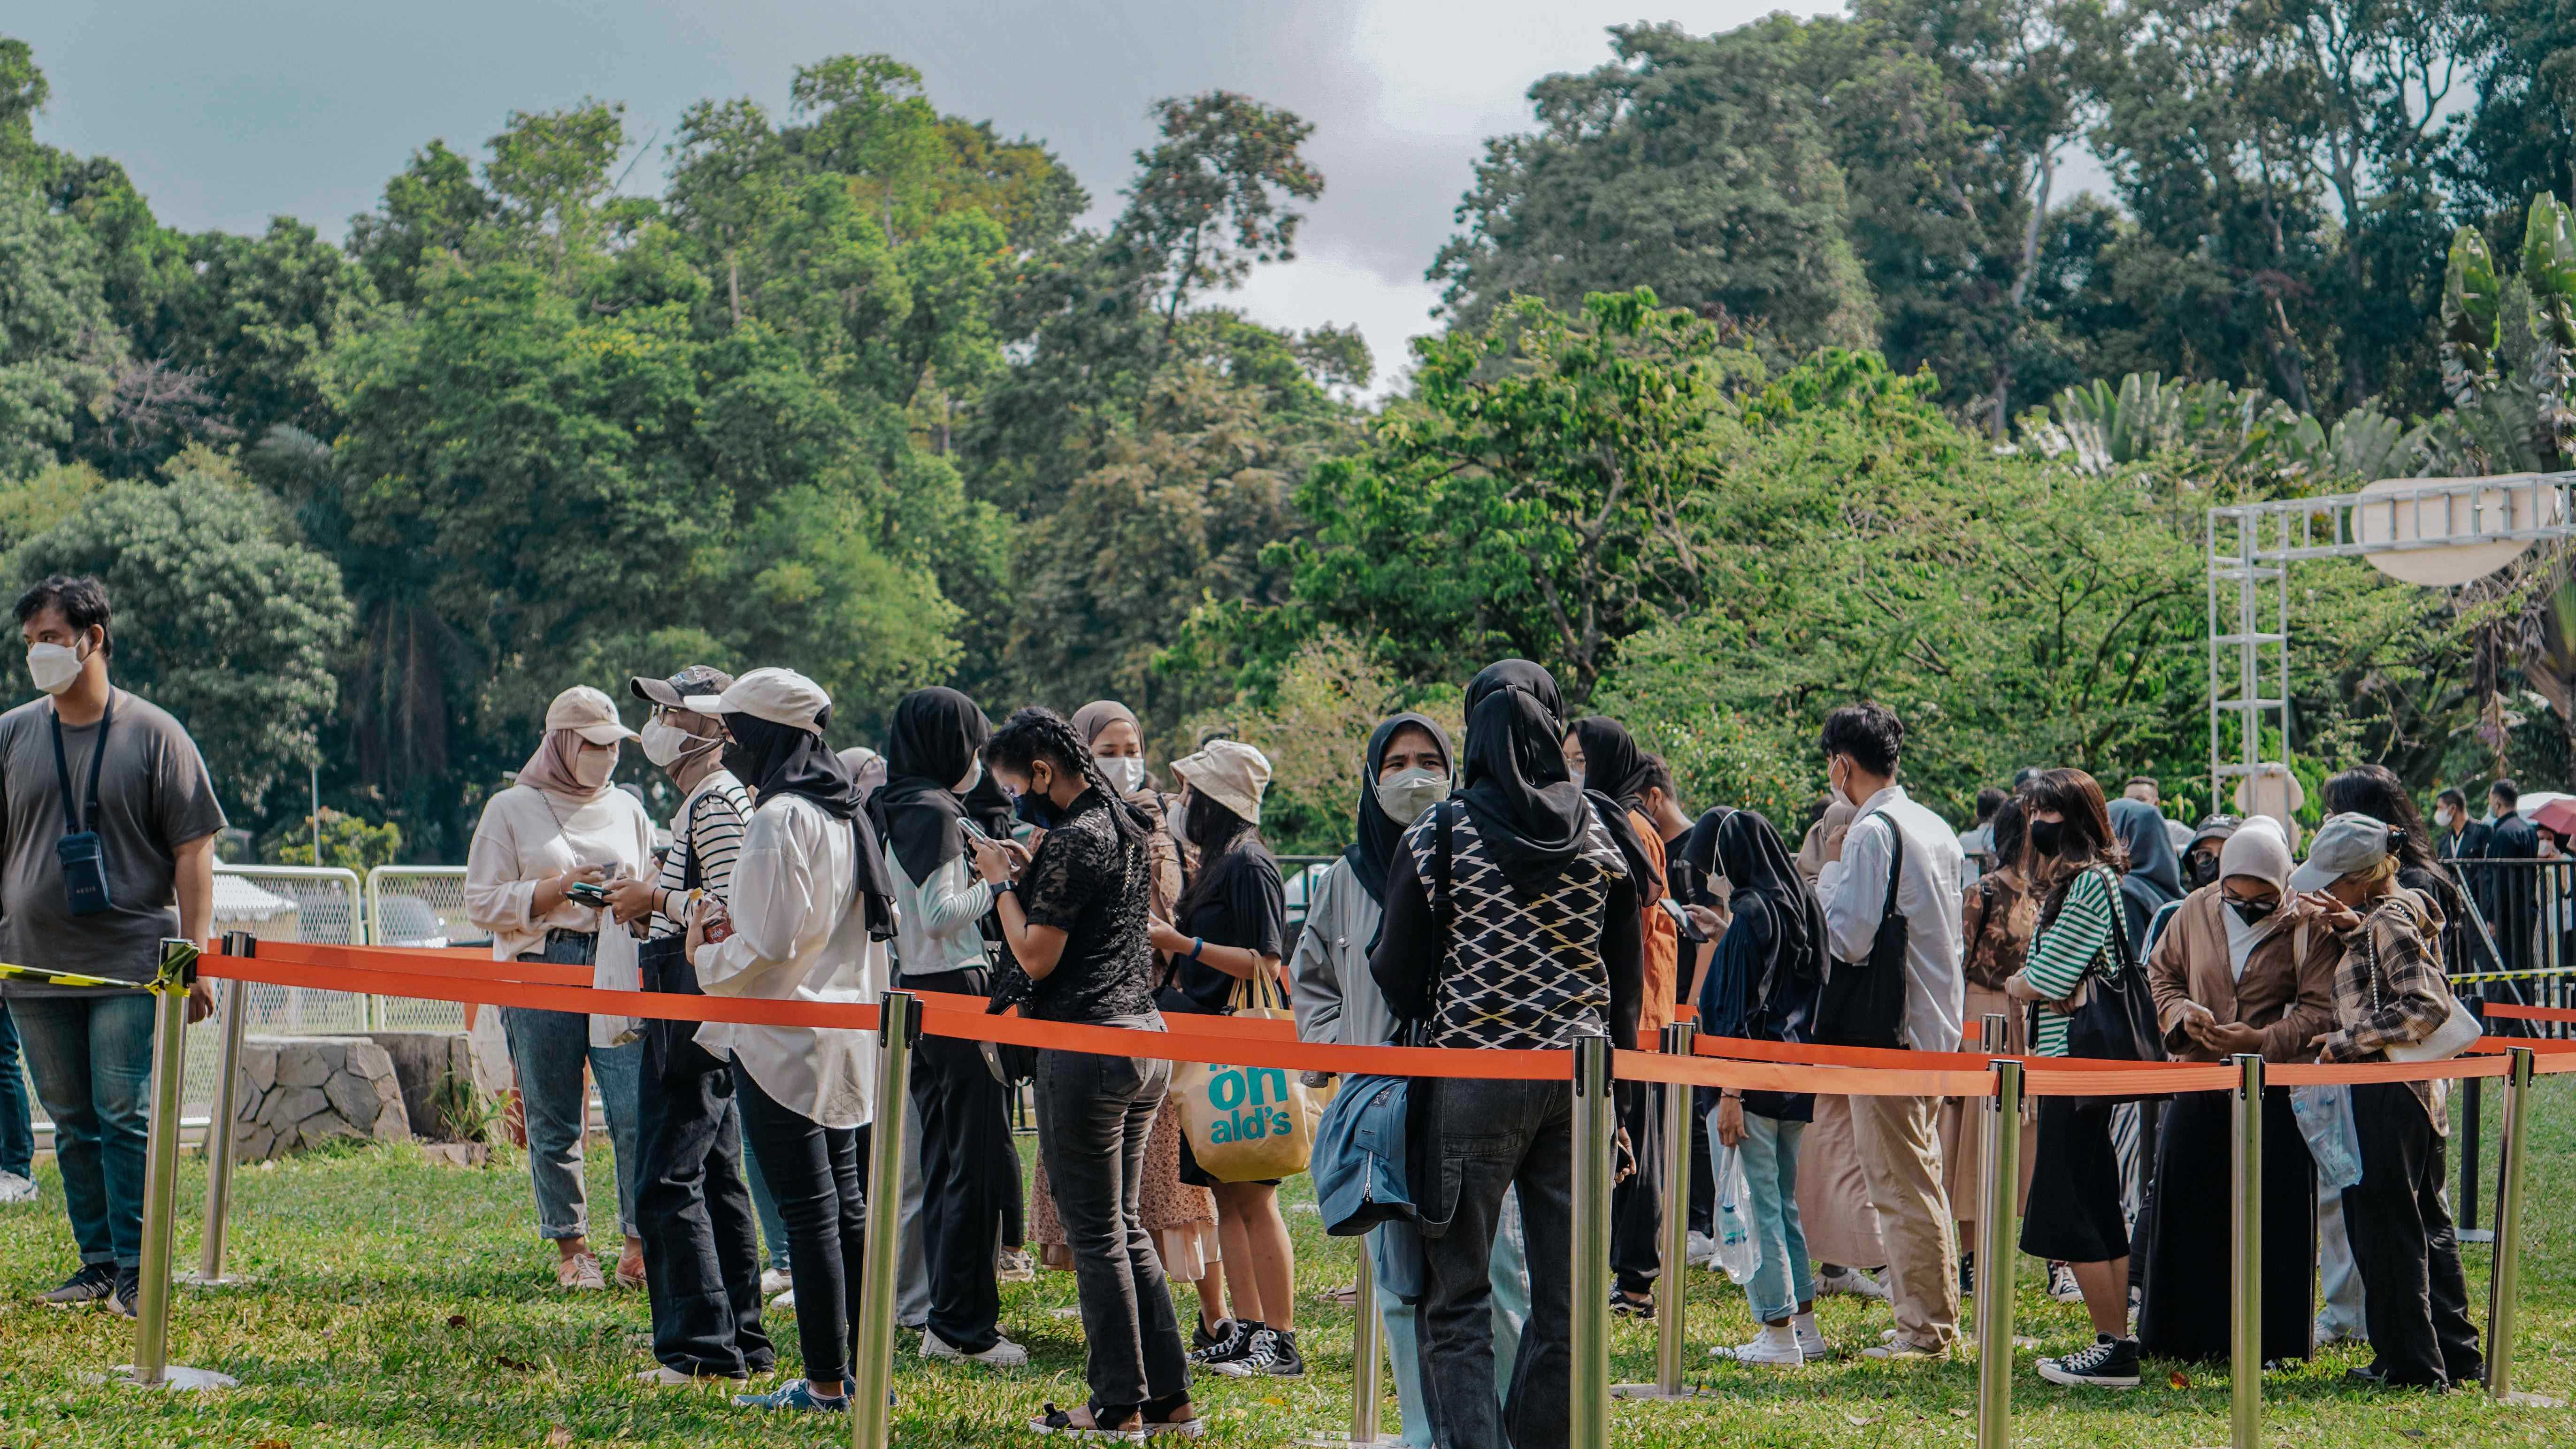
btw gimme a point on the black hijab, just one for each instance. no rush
(1529, 814)
(930, 747)
(2154, 877)
(781, 759)
(1612, 763)
(1374, 838)
(1757, 865)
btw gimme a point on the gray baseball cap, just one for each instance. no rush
(2343, 844)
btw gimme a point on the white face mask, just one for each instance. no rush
(974, 777)
(1123, 772)
(1407, 793)
(664, 743)
(53, 666)
(593, 768)
(2443, 817)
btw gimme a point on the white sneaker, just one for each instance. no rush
(1851, 1283)
(663, 1376)
(1004, 1354)
(14, 1189)
(1016, 1266)
(1811, 1339)
(1776, 1346)
(784, 1302)
(1703, 1250)
(775, 1281)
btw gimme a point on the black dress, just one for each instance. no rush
(2186, 1241)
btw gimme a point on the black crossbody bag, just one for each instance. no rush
(1863, 1002)
(82, 851)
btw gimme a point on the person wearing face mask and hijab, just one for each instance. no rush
(1540, 943)
(970, 1172)
(1603, 757)
(563, 826)
(1181, 1218)
(2246, 966)
(812, 909)
(701, 1241)
(1404, 773)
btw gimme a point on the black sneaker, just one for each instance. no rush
(1237, 1345)
(93, 1282)
(1272, 1354)
(1967, 1275)
(2111, 1363)
(129, 1292)
(1622, 1305)
(1204, 1338)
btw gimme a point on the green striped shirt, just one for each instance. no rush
(2077, 944)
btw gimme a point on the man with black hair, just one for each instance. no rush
(1900, 1144)
(111, 822)
(2457, 835)
(2511, 899)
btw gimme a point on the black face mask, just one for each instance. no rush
(2203, 869)
(737, 761)
(2045, 836)
(2254, 913)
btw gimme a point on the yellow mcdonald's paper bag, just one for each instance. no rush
(1248, 1124)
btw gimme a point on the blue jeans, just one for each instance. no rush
(1510, 1279)
(17, 1124)
(547, 1051)
(92, 1060)
(1782, 1277)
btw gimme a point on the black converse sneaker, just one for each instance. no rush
(2111, 1363)
(1232, 1349)
(1272, 1354)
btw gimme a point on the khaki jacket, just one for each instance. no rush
(2290, 1000)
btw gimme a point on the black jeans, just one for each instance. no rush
(1495, 1136)
(970, 1175)
(1094, 1116)
(701, 1241)
(1703, 1189)
(1637, 1205)
(813, 1173)
(2414, 1297)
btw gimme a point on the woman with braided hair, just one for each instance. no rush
(1074, 914)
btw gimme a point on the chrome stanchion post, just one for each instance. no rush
(2245, 1289)
(872, 1377)
(1670, 1310)
(1595, 1142)
(2504, 1284)
(1367, 1354)
(1998, 1203)
(152, 1368)
(220, 1126)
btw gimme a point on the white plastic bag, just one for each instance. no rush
(1734, 1217)
(2325, 1120)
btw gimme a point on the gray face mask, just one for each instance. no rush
(1406, 794)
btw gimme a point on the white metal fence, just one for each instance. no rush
(420, 905)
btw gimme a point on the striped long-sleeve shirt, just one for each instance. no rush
(2077, 944)
(709, 828)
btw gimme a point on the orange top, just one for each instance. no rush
(1663, 948)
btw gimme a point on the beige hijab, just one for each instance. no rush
(550, 770)
(1811, 851)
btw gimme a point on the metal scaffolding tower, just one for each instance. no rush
(2434, 531)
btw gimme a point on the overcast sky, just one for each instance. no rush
(228, 114)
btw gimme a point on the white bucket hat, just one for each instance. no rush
(1230, 772)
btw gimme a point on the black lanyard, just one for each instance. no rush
(72, 812)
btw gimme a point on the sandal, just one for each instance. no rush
(1173, 1416)
(1623, 1305)
(1084, 1423)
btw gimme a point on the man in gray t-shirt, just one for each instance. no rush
(155, 818)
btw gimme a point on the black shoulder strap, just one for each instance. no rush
(2123, 959)
(1895, 860)
(72, 811)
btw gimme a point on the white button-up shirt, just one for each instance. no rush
(799, 934)
(1854, 893)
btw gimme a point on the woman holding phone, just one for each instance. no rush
(535, 878)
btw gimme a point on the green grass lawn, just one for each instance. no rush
(395, 1302)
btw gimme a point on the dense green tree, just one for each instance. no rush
(1700, 167)
(60, 352)
(224, 617)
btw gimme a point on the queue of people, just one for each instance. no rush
(1531, 882)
